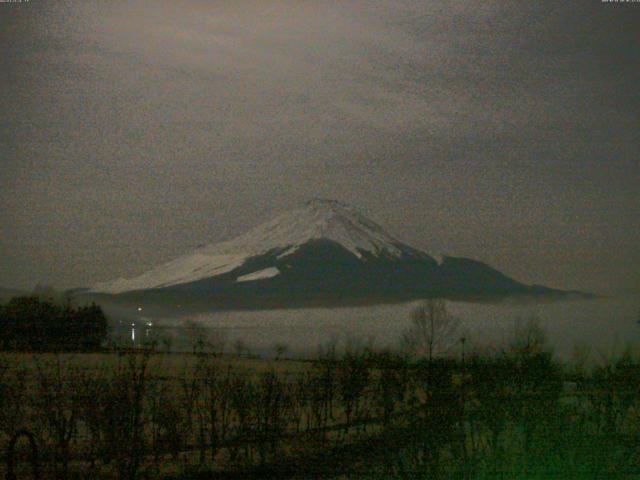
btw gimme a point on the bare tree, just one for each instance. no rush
(13, 395)
(280, 350)
(353, 377)
(202, 339)
(433, 330)
(57, 408)
(529, 337)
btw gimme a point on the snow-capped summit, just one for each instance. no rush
(316, 220)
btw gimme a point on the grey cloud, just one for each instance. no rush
(499, 130)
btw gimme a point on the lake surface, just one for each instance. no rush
(605, 326)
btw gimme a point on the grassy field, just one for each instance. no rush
(363, 414)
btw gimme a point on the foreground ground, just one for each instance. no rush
(364, 414)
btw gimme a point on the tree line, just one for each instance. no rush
(30, 323)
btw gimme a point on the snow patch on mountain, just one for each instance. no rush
(259, 275)
(189, 268)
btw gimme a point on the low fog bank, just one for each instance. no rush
(603, 326)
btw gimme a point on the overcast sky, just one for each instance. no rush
(132, 132)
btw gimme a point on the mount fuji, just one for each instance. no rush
(322, 254)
